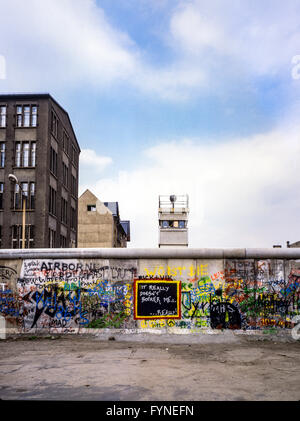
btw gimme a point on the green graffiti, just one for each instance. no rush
(106, 321)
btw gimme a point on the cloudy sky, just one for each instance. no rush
(198, 97)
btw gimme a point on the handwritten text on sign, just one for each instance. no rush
(157, 299)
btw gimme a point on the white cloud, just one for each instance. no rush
(257, 37)
(71, 40)
(91, 166)
(193, 30)
(67, 43)
(90, 159)
(243, 193)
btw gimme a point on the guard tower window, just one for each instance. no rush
(91, 208)
(173, 224)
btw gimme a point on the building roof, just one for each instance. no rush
(126, 228)
(28, 95)
(113, 207)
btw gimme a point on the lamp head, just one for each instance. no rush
(13, 178)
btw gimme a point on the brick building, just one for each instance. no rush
(39, 147)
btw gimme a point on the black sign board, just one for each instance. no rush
(157, 299)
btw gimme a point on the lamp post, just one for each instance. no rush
(14, 179)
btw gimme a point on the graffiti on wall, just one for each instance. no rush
(248, 294)
(265, 294)
(68, 295)
(170, 271)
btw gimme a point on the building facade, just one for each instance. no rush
(39, 147)
(99, 223)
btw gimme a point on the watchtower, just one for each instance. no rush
(173, 220)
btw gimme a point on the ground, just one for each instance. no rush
(85, 367)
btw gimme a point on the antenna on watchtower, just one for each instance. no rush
(173, 199)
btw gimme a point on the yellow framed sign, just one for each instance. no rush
(157, 299)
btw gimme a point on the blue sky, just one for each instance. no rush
(173, 96)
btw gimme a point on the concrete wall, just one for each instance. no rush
(70, 290)
(173, 237)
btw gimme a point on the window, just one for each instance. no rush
(34, 116)
(53, 161)
(33, 154)
(28, 193)
(17, 198)
(63, 241)
(64, 211)
(25, 154)
(91, 208)
(1, 195)
(54, 123)
(3, 116)
(18, 149)
(74, 156)
(52, 238)
(73, 185)
(73, 218)
(66, 141)
(24, 187)
(52, 201)
(65, 174)
(32, 196)
(173, 224)
(17, 236)
(26, 116)
(2, 154)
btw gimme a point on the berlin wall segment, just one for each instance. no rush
(67, 295)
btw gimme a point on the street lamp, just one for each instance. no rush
(14, 180)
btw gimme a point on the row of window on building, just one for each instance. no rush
(24, 154)
(16, 235)
(64, 214)
(52, 239)
(28, 189)
(65, 172)
(67, 146)
(26, 115)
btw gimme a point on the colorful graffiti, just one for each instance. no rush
(69, 295)
(73, 305)
(246, 295)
